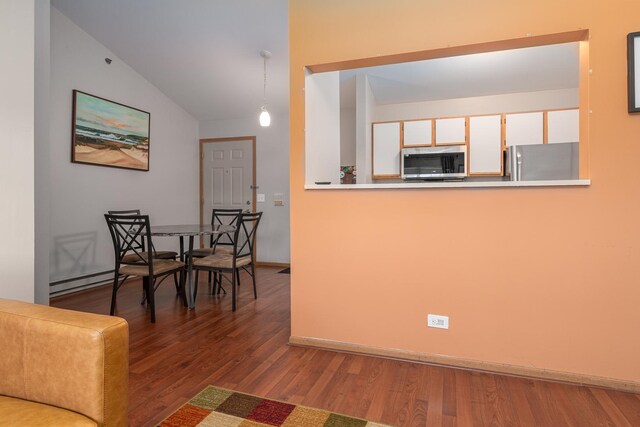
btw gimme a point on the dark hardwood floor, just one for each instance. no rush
(247, 351)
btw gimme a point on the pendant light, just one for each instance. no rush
(265, 117)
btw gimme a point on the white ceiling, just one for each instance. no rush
(493, 73)
(203, 54)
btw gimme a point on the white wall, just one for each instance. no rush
(322, 127)
(365, 111)
(272, 170)
(17, 109)
(512, 102)
(41, 159)
(81, 194)
(347, 136)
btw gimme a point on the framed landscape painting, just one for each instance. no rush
(106, 133)
(633, 73)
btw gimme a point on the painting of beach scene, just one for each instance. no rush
(106, 133)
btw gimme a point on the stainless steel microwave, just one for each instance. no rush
(434, 162)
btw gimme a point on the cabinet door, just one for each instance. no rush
(563, 126)
(386, 150)
(417, 133)
(451, 131)
(485, 145)
(524, 128)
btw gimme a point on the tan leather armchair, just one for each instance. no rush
(61, 367)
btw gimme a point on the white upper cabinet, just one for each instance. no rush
(485, 145)
(563, 126)
(524, 128)
(417, 132)
(386, 149)
(451, 131)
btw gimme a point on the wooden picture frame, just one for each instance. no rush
(107, 133)
(633, 73)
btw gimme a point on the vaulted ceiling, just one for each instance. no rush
(203, 54)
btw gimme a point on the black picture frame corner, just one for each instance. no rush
(633, 72)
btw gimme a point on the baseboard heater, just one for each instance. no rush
(62, 290)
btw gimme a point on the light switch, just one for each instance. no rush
(260, 198)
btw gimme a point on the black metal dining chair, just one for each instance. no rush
(219, 243)
(126, 232)
(242, 257)
(140, 245)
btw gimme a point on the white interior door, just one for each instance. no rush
(227, 176)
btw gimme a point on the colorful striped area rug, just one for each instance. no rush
(217, 407)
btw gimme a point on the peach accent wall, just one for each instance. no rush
(528, 276)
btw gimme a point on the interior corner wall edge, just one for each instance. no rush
(17, 109)
(543, 277)
(80, 194)
(41, 156)
(272, 176)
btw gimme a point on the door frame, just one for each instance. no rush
(201, 156)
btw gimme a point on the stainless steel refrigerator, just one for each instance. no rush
(542, 162)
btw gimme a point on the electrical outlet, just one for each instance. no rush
(437, 321)
(260, 198)
(278, 199)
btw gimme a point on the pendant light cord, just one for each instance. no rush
(265, 117)
(264, 92)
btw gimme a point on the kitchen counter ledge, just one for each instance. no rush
(452, 184)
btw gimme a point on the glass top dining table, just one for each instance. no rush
(190, 231)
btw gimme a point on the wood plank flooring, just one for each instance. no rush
(247, 351)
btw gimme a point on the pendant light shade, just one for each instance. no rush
(265, 117)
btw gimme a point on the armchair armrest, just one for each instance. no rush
(72, 360)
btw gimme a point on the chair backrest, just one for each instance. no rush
(140, 241)
(128, 212)
(223, 217)
(245, 234)
(127, 231)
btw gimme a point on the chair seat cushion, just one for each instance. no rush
(165, 255)
(18, 412)
(159, 267)
(221, 261)
(224, 249)
(220, 249)
(135, 258)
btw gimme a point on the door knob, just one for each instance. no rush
(248, 202)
